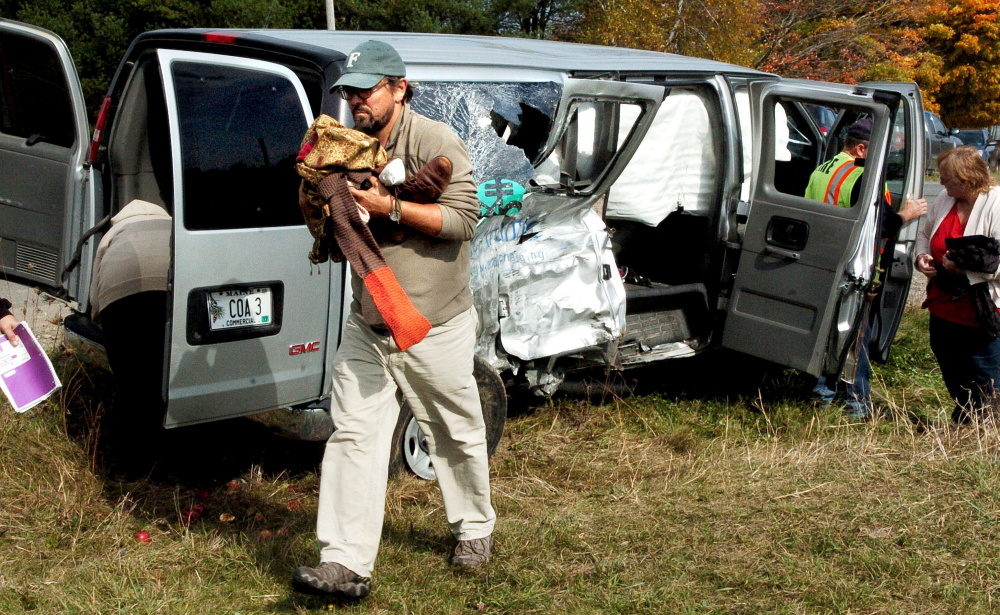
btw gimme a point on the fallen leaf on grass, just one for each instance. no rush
(227, 518)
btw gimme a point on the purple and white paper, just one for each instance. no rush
(26, 374)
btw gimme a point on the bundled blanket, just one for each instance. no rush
(331, 155)
(329, 148)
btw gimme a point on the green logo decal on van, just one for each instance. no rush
(499, 197)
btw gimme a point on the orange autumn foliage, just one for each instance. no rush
(951, 48)
(963, 77)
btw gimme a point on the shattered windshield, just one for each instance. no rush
(504, 125)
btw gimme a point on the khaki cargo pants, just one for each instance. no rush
(435, 377)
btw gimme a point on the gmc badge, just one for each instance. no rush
(295, 349)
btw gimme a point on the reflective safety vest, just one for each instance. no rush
(833, 181)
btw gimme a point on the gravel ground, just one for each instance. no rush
(42, 312)
(918, 290)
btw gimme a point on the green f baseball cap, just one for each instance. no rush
(368, 63)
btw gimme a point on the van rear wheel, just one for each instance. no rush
(409, 448)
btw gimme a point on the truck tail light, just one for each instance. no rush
(95, 142)
(220, 37)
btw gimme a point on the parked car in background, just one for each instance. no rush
(938, 139)
(825, 117)
(980, 139)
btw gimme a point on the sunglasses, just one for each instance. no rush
(347, 92)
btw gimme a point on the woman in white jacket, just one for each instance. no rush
(968, 353)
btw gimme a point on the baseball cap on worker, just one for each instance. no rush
(861, 129)
(368, 63)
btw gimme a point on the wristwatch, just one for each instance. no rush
(397, 210)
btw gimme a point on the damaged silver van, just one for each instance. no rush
(638, 206)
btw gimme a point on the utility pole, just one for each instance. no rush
(330, 22)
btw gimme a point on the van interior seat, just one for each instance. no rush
(140, 145)
(676, 165)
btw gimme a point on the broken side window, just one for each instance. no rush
(504, 125)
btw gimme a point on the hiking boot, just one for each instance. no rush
(471, 554)
(331, 579)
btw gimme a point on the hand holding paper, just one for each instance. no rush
(7, 324)
(26, 374)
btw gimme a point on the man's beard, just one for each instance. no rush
(369, 124)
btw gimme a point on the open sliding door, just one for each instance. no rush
(805, 265)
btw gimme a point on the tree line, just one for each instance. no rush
(950, 48)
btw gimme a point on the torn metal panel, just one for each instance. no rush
(546, 280)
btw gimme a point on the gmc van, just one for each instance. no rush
(637, 206)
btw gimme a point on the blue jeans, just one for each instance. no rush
(859, 395)
(970, 364)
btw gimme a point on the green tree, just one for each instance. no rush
(846, 42)
(537, 18)
(448, 16)
(725, 30)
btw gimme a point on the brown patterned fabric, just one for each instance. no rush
(428, 184)
(352, 235)
(325, 141)
(329, 146)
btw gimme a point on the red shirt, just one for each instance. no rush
(959, 310)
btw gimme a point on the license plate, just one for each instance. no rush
(231, 309)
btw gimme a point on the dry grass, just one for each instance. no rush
(732, 494)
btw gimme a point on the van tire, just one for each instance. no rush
(407, 455)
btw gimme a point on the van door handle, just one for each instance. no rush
(786, 254)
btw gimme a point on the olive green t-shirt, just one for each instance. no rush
(434, 271)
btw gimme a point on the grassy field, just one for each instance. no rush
(715, 487)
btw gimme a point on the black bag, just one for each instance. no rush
(954, 284)
(980, 254)
(977, 253)
(986, 311)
